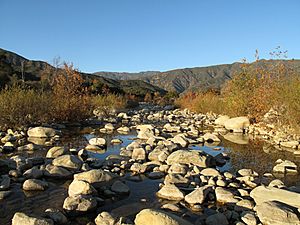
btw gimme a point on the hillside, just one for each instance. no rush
(11, 68)
(198, 78)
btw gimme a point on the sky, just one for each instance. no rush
(143, 35)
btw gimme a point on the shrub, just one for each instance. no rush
(20, 106)
(71, 102)
(108, 103)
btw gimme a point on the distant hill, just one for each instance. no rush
(11, 66)
(198, 78)
(179, 80)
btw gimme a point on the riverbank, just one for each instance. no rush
(179, 154)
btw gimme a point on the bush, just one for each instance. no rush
(20, 106)
(108, 103)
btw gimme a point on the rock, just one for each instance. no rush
(34, 173)
(210, 172)
(56, 215)
(41, 132)
(221, 120)
(247, 172)
(23, 219)
(138, 154)
(138, 168)
(248, 218)
(34, 185)
(169, 128)
(158, 217)
(96, 177)
(190, 157)
(120, 188)
(146, 134)
(56, 152)
(263, 194)
(198, 195)
(79, 187)
(123, 130)
(237, 124)
(94, 148)
(276, 213)
(97, 141)
(104, 218)
(209, 137)
(109, 126)
(243, 205)
(80, 204)
(224, 196)
(56, 172)
(4, 182)
(116, 141)
(68, 161)
(177, 179)
(216, 219)
(170, 192)
(237, 138)
(181, 140)
(178, 168)
(289, 144)
(285, 167)
(156, 175)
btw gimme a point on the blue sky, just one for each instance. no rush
(139, 35)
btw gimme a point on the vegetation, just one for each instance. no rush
(67, 100)
(253, 92)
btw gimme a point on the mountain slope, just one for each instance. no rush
(12, 64)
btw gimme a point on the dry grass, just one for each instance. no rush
(253, 92)
(108, 103)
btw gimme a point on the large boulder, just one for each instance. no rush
(56, 172)
(34, 185)
(198, 195)
(79, 187)
(276, 213)
(263, 194)
(221, 120)
(96, 177)
(237, 124)
(181, 140)
(158, 217)
(68, 161)
(41, 132)
(80, 204)
(225, 196)
(97, 141)
(56, 152)
(190, 157)
(170, 192)
(237, 138)
(23, 219)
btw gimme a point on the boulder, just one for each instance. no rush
(79, 187)
(190, 157)
(198, 195)
(225, 196)
(170, 192)
(120, 188)
(68, 161)
(181, 140)
(210, 172)
(34, 185)
(216, 219)
(158, 217)
(104, 218)
(97, 141)
(138, 168)
(138, 154)
(237, 124)
(221, 120)
(56, 172)
(285, 167)
(96, 177)
(209, 137)
(23, 219)
(56, 152)
(276, 213)
(80, 204)
(263, 194)
(41, 132)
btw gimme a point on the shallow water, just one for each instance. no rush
(256, 155)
